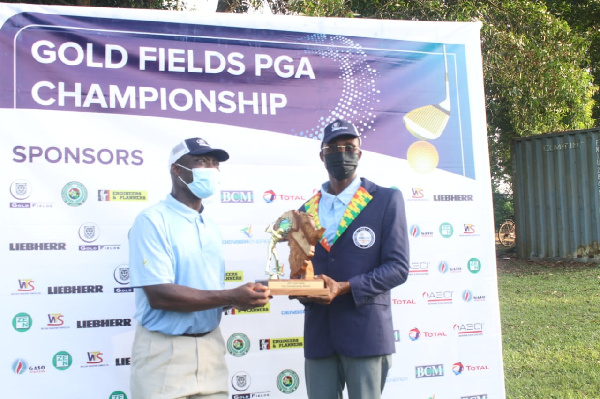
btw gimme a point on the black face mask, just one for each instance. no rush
(341, 165)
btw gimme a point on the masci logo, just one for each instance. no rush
(106, 195)
(446, 230)
(240, 381)
(281, 343)
(22, 322)
(288, 381)
(62, 360)
(429, 371)
(74, 193)
(238, 344)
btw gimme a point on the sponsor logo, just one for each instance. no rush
(20, 189)
(395, 379)
(396, 335)
(444, 267)
(121, 274)
(438, 297)
(22, 322)
(240, 381)
(458, 368)
(89, 232)
(118, 395)
(238, 344)
(77, 155)
(291, 312)
(446, 230)
(281, 343)
(428, 371)
(455, 198)
(474, 265)
(103, 323)
(62, 360)
(269, 196)
(288, 381)
(469, 230)
(94, 359)
(262, 309)
(74, 193)
(416, 232)
(252, 395)
(403, 302)
(414, 334)
(122, 196)
(40, 369)
(55, 321)
(247, 235)
(417, 194)
(479, 396)
(468, 296)
(26, 287)
(247, 231)
(19, 366)
(419, 268)
(363, 237)
(468, 329)
(234, 276)
(75, 289)
(37, 246)
(123, 361)
(237, 197)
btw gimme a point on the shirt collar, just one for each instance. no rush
(182, 209)
(345, 196)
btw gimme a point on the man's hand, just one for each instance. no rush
(335, 289)
(250, 295)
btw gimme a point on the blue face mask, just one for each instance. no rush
(205, 181)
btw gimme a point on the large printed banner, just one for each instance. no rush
(92, 101)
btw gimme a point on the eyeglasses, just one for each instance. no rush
(339, 148)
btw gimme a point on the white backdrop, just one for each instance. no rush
(67, 314)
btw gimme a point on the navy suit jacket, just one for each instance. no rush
(373, 255)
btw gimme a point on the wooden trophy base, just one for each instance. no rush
(298, 287)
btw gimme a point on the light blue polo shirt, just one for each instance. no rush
(332, 207)
(172, 243)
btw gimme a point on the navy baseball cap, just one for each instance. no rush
(339, 128)
(196, 146)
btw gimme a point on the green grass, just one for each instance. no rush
(550, 329)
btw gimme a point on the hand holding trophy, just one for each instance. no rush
(299, 230)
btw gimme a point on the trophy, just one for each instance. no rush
(299, 230)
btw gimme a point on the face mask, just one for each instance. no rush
(341, 165)
(205, 181)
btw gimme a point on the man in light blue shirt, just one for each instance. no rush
(177, 267)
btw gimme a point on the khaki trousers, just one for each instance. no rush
(176, 367)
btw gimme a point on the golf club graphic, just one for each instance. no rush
(428, 122)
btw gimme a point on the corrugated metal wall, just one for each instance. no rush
(556, 186)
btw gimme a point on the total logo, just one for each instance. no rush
(438, 297)
(21, 190)
(468, 296)
(415, 334)
(416, 232)
(281, 343)
(90, 232)
(468, 329)
(458, 368)
(269, 196)
(419, 268)
(444, 268)
(26, 287)
(403, 301)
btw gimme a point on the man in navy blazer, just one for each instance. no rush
(364, 253)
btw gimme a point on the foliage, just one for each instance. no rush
(550, 318)
(153, 4)
(503, 208)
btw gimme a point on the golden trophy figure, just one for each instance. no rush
(299, 230)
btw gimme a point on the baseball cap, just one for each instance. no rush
(339, 128)
(196, 146)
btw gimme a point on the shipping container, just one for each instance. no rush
(556, 186)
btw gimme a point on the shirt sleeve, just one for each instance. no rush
(150, 255)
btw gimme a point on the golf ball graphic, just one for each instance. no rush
(422, 157)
